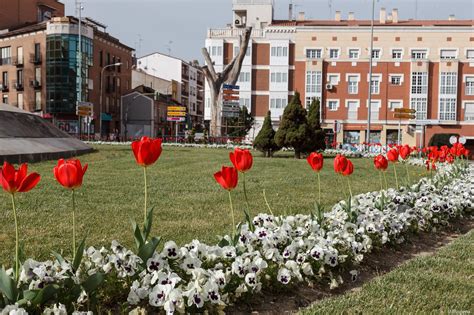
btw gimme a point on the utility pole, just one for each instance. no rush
(79, 61)
(369, 105)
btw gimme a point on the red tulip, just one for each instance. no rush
(14, 181)
(315, 160)
(70, 173)
(405, 151)
(146, 151)
(450, 159)
(241, 159)
(349, 169)
(380, 162)
(227, 177)
(392, 155)
(340, 163)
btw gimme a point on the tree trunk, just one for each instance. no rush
(297, 154)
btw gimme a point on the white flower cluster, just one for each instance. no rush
(229, 145)
(275, 251)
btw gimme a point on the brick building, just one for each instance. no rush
(40, 66)
(427, 65)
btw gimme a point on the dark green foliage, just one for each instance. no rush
(440, 139)
(265, 140)
(239, 127)
(316, 139)
(293, 131)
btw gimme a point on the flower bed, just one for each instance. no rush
(270, 252)
(179, 145)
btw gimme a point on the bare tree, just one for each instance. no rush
(229, 75)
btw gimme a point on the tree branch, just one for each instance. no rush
(232, 71)
(210, 65)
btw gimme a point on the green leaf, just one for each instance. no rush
(78, 255)
(223, 243)
(40, 297)
(8, 286)
(58, 257)
(137, 234)
(146, 251)
(148, 224)
(93, 282)
(249, 221)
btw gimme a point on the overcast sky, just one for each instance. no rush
(179, 26)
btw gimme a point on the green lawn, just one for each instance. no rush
(441, 283)
(188, 202)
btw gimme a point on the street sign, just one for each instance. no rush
(404, 116)
(83, 113)
(230, 103)
(230, 114)
(176, 119)
(230, 97)
(176, 108)
(405, 110)
(176, 114)
(231, 110)
(84, 109)
(462, 140)
(231, 87)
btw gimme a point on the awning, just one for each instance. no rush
(106, 117)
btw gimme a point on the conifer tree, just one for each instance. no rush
(265, 140)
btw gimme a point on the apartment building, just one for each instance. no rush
(189, 76)
(427, 65)
(41, 70)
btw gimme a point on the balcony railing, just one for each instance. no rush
(35, 84)
(18, 85)
(252, 2)
(17, 61)
(4, 87)
(36, 59)
(5, 61)
(232, 32)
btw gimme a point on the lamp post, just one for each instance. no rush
(101, 88)
(369, 105)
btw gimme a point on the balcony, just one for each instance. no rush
(35, 84)
(18, 85)
(4, 87)
(5, 61)
(18, 62)
(185, 93)
(233, 32)
(35, 59)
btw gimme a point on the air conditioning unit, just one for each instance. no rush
(329, 87)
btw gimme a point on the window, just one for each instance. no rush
(448, 83)
(313, 81)
(244, 77)
(5, 98)
(419, 54)
(470, 54)
(396, 80)
(244, 102)
(419, 82)
(5, 55)
(37, 51)
(448, 54)
(447, 108)
(353, 84)
(374, 110)
(5, 79)
(375, 85)
(469, 112)
(333, 79)
(278, 103)
(279, 51)
(353, 53)
(310, 100)
(469, 85)
(420, 105)
(237, 49)
(38, 74)
(353, 107)
(19, 55)
(279, 77)
(333, 53)
(351, 137)
(38, 101)
(20, 100)
(333, 104)
(313, 53)
(375, 53)
(397, 53)
(395, 104)
(101, 58)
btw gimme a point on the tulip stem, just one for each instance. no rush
(144, 174)
(339, 182)
(73, 224)
(385, 180)
(232, 212)
(381, 182)
(17, 246)
(319, 189)
(408, 173)
(349, 184)
(396, 177)
(246, 198)
(266, 202)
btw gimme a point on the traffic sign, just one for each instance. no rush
(405, 110)
(404, 116)
(462, 140)
(453, 139)
(231, 87)
(177, 119)
(230, 114)
(231, 92)
(230, 97)
(176, 108)
(177, 114)
(84, 109)
(231, 109)
(83, 113)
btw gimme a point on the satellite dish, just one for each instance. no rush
(462, 140)
(453, 139)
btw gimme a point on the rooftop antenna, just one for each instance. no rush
(169, 47)
(139, 44)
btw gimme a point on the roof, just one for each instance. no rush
(24, 29)
(400, 23)
(10, 108)
(169, 56)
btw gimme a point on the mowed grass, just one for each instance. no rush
(188, 203)
(441, 283)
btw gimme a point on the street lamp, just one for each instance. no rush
(101, 87)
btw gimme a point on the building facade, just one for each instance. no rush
(425, 65)
(189, 76)
(43, 72)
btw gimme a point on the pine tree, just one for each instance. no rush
(316, 139)
(265, 140)
(241, 125)
(293, 131)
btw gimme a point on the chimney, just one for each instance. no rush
(383, 16)
(452, 17)
(301, 16)
(290, 12)
(337, 17)
(351, 16)
(394, 15)
(389, 18)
